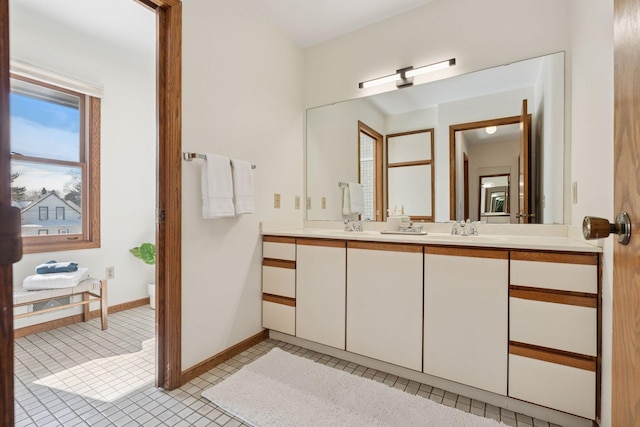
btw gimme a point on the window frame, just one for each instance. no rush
(90, 110)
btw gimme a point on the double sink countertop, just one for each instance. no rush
(505, 236)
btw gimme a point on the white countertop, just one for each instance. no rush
(554, 239)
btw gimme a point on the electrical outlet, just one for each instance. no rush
(308, 202)
(574, 192)
(297, 202)
(276, 200)
(324, 203)
(110, 273)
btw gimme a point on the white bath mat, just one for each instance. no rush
(280, 390)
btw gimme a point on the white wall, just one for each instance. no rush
(592, 145)
(127, 140)
(242, 97)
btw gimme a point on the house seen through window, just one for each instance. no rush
(54, 149)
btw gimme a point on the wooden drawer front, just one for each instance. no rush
(276, 250)
(558, 326)
(279, 317)
(556, 386)
(555, 275)
(279, 281)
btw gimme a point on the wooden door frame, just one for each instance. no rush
(169, 203)
(452, 150)
(377, 167)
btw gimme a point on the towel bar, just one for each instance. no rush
(190, 156)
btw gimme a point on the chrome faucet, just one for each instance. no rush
(463, 228)
(352, 225)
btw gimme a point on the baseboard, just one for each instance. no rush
(76, 318)
(221, 357)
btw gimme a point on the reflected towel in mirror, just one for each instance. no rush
(352, 198)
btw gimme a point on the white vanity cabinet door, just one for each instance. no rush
(279, 284)
(384, 302)
(466, 316)
(321, 291)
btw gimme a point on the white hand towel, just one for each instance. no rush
(217, 187)
(55, 280)
(356, 198)
(243, 186)
(346, 200)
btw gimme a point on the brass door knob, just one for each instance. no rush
(599, 228)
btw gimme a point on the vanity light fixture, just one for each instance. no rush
(404, 76)
(491, 130)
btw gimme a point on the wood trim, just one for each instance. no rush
(277, 299)
(574, 360)
(413, 163)
(411, 132)
(169, 188)
(279, 263)
(452, 151)
(279, 239)
(223, 356)
(559, 257)
(76, 318)
(323, 242)
(6, 270)
(378, 166)
(578, 299)
(467, 252)
(392, 247)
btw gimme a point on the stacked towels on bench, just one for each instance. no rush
(57, 267)
(55, 275)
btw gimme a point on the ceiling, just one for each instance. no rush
(306, 22)
(311, 22)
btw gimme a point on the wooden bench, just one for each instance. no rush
(88, 288)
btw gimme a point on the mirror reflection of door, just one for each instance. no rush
(490, 148)
(370, 171)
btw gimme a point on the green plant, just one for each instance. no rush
(146, 252)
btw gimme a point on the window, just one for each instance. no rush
(43, 213)
(55, 146)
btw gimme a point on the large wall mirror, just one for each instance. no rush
(444, 187)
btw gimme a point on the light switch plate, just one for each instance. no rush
(276, 200)
(574, 192)
(324, 203)
(297, 202)
(308, 202)
(110, 273)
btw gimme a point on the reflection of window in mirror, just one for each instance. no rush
(410, 176)
(370, 171)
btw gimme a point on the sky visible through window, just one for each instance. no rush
(47, 129)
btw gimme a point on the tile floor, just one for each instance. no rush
(79, 375)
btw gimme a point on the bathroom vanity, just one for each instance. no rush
(517, 316)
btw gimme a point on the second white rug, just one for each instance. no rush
(280, 389)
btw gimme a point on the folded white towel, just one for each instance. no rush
(217, 187)
(356, 198)
(55, 280)
(346, 200)
(243, 186)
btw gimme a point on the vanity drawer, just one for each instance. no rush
(278, 316)
(557, 386)
(279, 248)
(279, 278)
(566, 272)
(559, 326)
